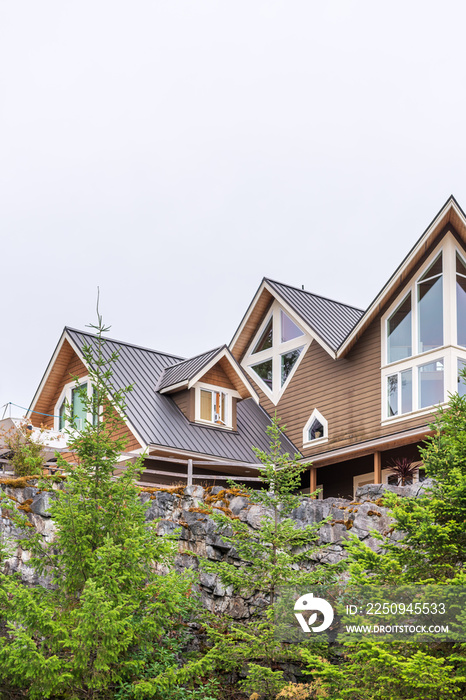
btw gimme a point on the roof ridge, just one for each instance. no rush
(189, 359)
(124, 342)
(319, 296)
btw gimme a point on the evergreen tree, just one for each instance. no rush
(275, 556)
(107, 609)
(430, 547)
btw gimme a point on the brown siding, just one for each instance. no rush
(185, 402)
(346, 391)
(66, 366)
(260, 310)
(217, 376)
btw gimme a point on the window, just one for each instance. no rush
(399, 332)
(430, 307)
(315, 430)
(461, 300)
(215, 405)
(431, 384)
(400, 393)
(424, 333)
(461, 380)
(276, 352)
(71, 396)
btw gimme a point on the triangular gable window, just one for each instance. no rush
(289, 329)
(264, 371)
(288, 361)
(275, 352)
(266, 339)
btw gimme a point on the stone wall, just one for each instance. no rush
(183, 510)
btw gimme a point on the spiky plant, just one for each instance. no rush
(403, 469)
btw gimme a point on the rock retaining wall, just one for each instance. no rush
(182, 509)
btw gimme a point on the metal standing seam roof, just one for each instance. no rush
(186, 369)
(159, 421)
(331, 320)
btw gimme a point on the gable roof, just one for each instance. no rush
(325, 320)
(186, 369)
(186, 373)
(330, 320)
(159, 421)
(450, 213)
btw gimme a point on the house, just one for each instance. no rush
(355, 389)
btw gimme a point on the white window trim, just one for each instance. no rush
(66, 395)
(450, 352)
(274, 353)
(318, 441)
(230, 394)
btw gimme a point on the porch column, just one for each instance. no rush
(312, 479)
(377, 468)
(190, 473)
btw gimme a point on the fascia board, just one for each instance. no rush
(77, 350)
(224, 353)
(393, 282)
(64, 336)
(172, 387)
(246, 316)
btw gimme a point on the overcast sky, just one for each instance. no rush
(175, 152)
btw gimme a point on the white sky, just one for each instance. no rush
(175, 152)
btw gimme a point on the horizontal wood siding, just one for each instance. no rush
(217, 376)
(66, 365)
(347, 392)
(260, 310)
(185, 402)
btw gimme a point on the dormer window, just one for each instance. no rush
(215, 405)
(275, 352)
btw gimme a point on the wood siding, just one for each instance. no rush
(346, 391)
(256, 317)
(185, 402)
(218, 377)
(67, 366)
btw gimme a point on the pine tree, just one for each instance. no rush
(107, 608)
(276, 556)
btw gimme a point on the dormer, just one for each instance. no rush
(206, 388)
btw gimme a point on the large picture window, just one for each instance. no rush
(424, 333)
(399, 332)
(430, 307)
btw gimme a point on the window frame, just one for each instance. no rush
(450, 351)
(229, 394)
(275, 352)
(67, 395)
(316, 414)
